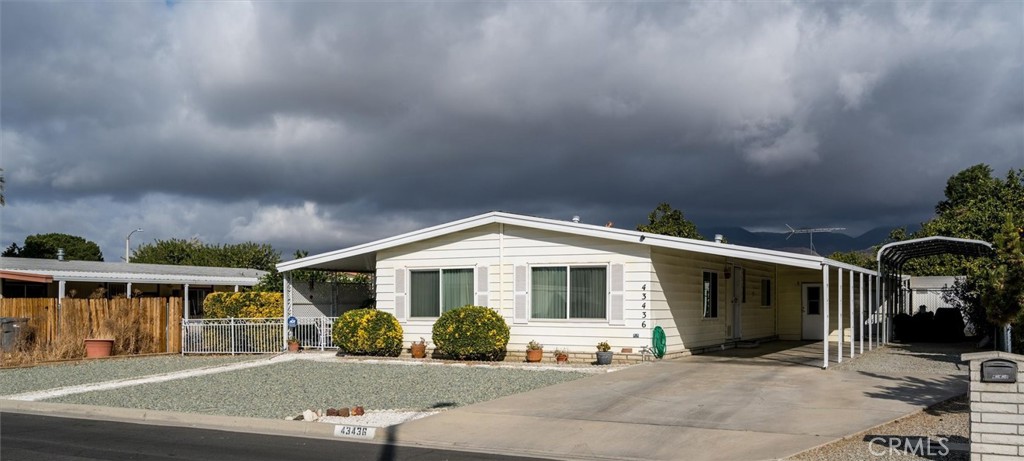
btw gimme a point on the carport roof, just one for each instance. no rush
(894, 255)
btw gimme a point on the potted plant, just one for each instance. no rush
(101, 345)
(293, 345)
(561, 355)
(419, 348)
(604, 353)
(534, 351)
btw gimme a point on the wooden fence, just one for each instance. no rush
(158, 320)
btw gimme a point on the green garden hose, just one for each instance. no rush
(658, 342)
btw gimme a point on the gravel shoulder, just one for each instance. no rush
(41, 377)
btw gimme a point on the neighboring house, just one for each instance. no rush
(570, 285)
(928, 292)
(51, 278)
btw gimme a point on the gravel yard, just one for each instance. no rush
(17, 380)
(288, 388)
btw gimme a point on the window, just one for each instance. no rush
(432, 292)
(710, 292)
(766, 292)
(563, 292)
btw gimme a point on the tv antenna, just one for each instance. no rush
(810, 231)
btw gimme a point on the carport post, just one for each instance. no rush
(824, 314)
(853, 330)
(287, 311)
(839, 312)
(861, 322)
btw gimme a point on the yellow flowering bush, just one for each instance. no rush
(471, 332)
(368, 332)
(243, 305)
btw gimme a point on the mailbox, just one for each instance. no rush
(998, 371)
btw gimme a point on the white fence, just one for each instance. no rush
(252, 336)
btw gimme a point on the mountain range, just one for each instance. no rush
(825, 243)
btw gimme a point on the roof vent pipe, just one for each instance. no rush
(718, 238)
(60, 254)
(576, 219)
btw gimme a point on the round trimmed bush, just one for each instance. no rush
(471, 332)
(368, 332)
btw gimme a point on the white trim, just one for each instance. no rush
(567, 227)
(568, 290)
(440, 288)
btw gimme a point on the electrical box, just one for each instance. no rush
(998, 371)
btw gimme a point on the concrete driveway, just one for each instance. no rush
(743, 404)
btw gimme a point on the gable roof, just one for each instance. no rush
(363, 258)
(100, 271)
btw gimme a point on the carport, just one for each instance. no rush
(893, 256)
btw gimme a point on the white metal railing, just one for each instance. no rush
(253, 336)
(314, 332)
(232, 336)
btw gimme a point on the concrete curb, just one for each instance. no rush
(173, 418)
(284, 428)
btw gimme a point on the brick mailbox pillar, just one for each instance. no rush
(997, 406)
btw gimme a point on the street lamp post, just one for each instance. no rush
(127, 245)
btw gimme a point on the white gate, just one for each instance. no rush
(252, 336)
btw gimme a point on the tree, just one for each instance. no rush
(1002, 281)
(45, 246)
(196, 253)
(665, 220)
(975, 206)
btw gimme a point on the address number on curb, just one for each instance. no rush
(355, 432)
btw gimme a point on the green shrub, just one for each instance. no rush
(471, 332)
(243, 305)
(368, 332)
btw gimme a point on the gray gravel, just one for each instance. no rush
(18, 380)
(283, 389)
(911, 359)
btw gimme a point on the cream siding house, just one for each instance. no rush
(570, 285)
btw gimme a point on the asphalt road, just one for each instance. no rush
(33, 437)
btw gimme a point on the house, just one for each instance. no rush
(930, 291)
(570, 285)
(53, 278)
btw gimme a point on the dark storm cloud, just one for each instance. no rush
(314, 125)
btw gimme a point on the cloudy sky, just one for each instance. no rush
(317, 125)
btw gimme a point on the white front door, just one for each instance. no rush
(738, 278)
(813, 328)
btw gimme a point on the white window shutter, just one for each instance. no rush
(616, 303)
(400, 305)
(482, 289)
(521, 291)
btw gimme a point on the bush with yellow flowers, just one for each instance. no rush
(243, 305)
(368, 332)
(471, 333)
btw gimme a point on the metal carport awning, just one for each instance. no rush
(892, 256)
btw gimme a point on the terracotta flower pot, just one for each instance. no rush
(418, 350)
(534, 355)
(293, 347)
(562, 358)
(96, 347)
